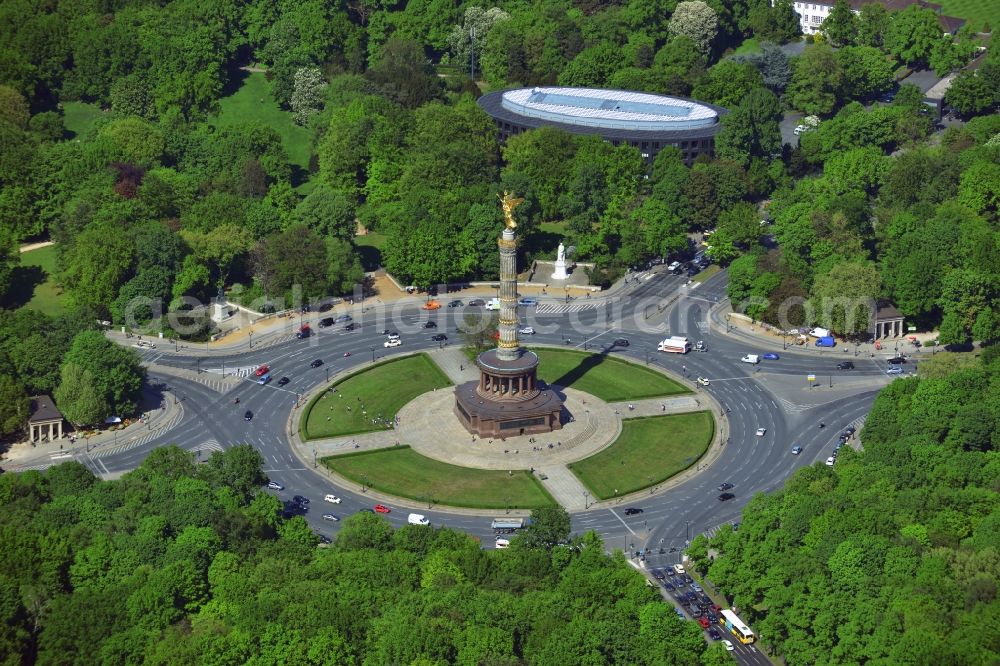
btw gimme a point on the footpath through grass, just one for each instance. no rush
(368, 400)
(649, 451)
(254, 102)
(403, 472)
(33, 284)
(605, 377)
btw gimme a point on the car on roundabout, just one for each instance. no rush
(632, 511)
(344, 318)
(621, 342)
(326, 322)
(439, 337)
(299, 499)
(477, 302)
(725, 486)
(761, 432)
(274, 485)
(248, 416)
(329, 516)
(393, 342)
(725, 497)
(526, 330)
(700, 346)
(455, 304)
(704, 381)
(382, 508)
(431, 305)
(332, 499)
(283, 381)
(430, 324)
(845, 365)
(315, 364)
(262, 370)
(894, 370)
(796, 450)
(527, 302)
(770, 356)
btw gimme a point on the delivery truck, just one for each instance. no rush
(675, 344)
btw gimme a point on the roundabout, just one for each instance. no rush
(656, 447)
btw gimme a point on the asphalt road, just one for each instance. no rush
(650, 308)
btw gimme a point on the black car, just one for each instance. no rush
(850, 430)
(326, 307)
(896, 360)
(621, 342)
(726, 496)
(248, 416)
(455, 304)
(386, 331)
(439, 337)
(632, 511)
(326, 321)
(430, 324)
(283, 381)
(845, 365)
(725, 486)
(658, 574)
(714, 634)
(315, 364)
(351, 326)
(299, 499)
(477, 302)
(668, 586)
(690, 596)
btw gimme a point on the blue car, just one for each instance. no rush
(526, 302)
(770, 356)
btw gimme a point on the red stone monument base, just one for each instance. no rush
(498, 419)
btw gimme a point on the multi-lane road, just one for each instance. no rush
(772, 395)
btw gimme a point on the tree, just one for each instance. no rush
(221, 248)
(975, 92)
(14, 108)
(727, 82)
(912, 34)
(78, 397)
(843, 297)
(129, 96)
(134, 141)
(307, 94)
(545, 156)
(751, 129)
(549, 526)
(13, 406)
(872, 25)
(817, 80)
(403, 73)
(866, 70)
(840, 25)
(96, 265)
(117, 374)
(328, 212)
(344, 269)
(295, 257)
(697, 21)
(777, 23)
(469, 39)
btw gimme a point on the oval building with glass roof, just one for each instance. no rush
(648, 121)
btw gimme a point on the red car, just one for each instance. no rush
(703, 621)
(381, 508)
(262, 370)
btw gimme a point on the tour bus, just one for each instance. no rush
(736, 627)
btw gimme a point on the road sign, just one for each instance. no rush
(811, 378)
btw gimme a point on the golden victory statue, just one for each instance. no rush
(509, 203)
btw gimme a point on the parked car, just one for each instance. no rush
(674, 265)
(726, 496)
(325, 307)
(332, 499)
(632, 511)
(381, 508)
(315, 364)
(248, 416)
(830, 461)
(845, 365)
(770, 356)
(283, 381)
(274, 485)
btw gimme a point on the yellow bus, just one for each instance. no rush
(736, 627)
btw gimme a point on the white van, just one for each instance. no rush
(503, 543)
(493, 304)
(753, 359)
(417, 519)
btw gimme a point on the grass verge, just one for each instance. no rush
(33, 283)
(707, 273)
(376, 392)
(976, 12)
(253, 101)
(649, 451)
(403, 472)
(605, 377)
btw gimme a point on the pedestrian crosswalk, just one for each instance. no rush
(137, 440)
(560, 308)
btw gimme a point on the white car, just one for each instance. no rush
(392, 342)
(752, 359)
(503, 543)
(799, 129)
(761, 432)
(830, 461)
(332, 499)
(728, 644)
(796, 450)
(329, 516)
(679, 569)
(526, 330)
(274, 485)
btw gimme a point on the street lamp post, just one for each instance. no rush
(373, 354)
(784, 345)
(506, 504)
(198, 361)
(586, 495)
(327, 374)
(727, 321)
(251, 338)
(314, 458)
(650, 485)
(687, 531)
